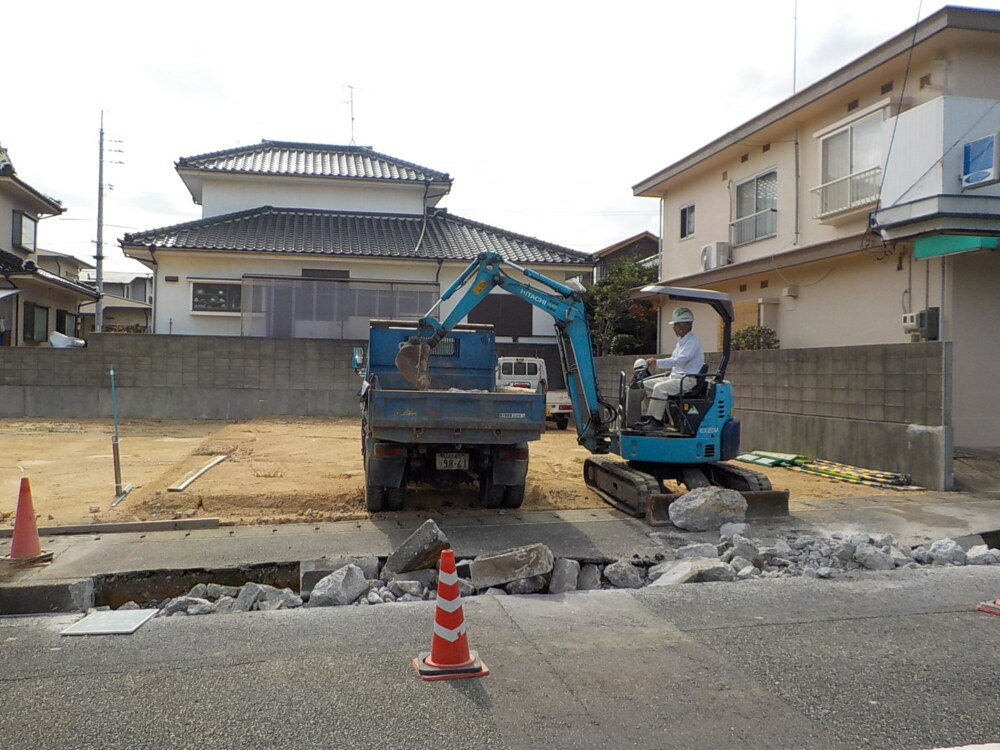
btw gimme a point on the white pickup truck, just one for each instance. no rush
(529, 373)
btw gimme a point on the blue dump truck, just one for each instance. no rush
(462, 429)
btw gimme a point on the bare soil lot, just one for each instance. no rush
(279, 470)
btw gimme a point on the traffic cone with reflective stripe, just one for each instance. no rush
(992, 608)
(449, 657)
(25, 542)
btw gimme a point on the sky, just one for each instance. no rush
(544, 113)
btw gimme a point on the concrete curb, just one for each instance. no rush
(74, 595)
(184, 524)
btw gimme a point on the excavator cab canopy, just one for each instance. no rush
(721, 302)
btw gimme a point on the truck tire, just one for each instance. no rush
(374, 498)
(395, 496)
(562, 422)
(490, 494)
(513, 496)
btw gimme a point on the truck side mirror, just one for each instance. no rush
(358, 359)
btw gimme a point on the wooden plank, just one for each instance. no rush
(182, 485)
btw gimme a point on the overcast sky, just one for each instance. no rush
(544, 113)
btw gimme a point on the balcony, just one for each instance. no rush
(847, 193)
(754, 227)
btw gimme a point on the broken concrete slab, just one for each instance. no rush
(531, 585)
(311, 571)
(341, 587)
(590, 578)
(624, 575)
(511, 565)
(420, 550)
(565, 575)
(707, 509)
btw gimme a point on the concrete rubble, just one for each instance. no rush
(737, 556)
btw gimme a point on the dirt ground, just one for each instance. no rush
(279, 470)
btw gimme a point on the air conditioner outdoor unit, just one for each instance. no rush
(715, 254)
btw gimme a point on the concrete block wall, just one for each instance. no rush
(882, 407)
(181, 377)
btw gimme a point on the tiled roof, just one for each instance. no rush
(342, 234)
(311, 160)
(9, 262)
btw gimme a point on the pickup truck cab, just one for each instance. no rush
(530, 373)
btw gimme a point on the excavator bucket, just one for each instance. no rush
(412, 360)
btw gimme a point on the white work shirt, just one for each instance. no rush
(687, 357)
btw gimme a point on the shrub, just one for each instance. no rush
(755, 337)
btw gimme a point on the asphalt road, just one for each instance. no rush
(896, 660)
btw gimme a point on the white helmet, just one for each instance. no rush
(639, 364)
(682, 315)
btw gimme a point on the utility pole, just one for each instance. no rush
(99, 307)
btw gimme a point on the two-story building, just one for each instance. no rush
(302, 240)
(643, 247)
(864, 209)
(39, 289)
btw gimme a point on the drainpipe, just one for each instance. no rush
(798, 179)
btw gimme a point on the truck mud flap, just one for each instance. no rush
(760, 504)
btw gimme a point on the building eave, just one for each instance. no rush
(947, 18)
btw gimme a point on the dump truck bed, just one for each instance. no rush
(454, 416)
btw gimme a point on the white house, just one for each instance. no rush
(39, 289)
(312, 241)
(865, 209)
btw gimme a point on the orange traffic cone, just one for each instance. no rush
(25, 543)
(449, 657)
(992, 608)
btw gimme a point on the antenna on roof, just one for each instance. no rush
(351, 102)
(795, 42)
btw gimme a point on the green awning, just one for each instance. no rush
(947, 244)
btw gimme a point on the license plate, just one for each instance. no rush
(447, 461)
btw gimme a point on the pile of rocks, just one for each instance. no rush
(410, 573)
(212, 599)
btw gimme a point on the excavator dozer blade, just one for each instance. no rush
(412, 360)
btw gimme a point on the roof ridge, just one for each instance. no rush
(265, 144)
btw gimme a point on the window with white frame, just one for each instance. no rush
(216, 296)
(687, 221)
(851, 167)
(756, 210)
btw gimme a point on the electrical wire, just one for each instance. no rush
(902, 94)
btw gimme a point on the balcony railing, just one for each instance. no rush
(754, 227)
(847, 193)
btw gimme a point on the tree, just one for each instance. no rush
(755, 337)
(619, 324)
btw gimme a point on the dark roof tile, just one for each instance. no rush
(363, 235)
(311, 160)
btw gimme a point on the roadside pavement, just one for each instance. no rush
(898, 660)
(598, 535)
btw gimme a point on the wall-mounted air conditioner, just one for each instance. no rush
(715, 254)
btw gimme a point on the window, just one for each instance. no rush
(36, 322)
(215, 296)
(526, 369)
(66, 322)
(850, 169)
(510, 315)
(23, 235)
(687, 221)
(756, 209)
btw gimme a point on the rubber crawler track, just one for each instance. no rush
(622, 486)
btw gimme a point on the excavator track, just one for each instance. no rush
(620, 485)
(737, 478)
